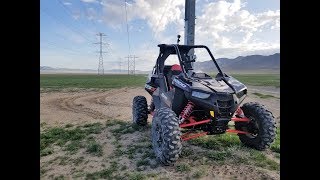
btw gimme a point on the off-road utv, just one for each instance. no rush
(188, 103)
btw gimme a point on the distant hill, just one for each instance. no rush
(51, 70)
(244, 63)
(241, 64)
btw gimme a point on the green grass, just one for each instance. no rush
(142, 162)
(125, 128)
(275, 146)
(61, 177)
(199, 173)
(264, 96)
(46, 151)
(136, 176)
(259, 79)
(61, 136)
(186, 152)
(216, 142)
(262, 161)
(123, 167)
(94, 128)
(73, 146)
(149, 154)
(68, 125)
(105, 173)
(218, 155)
(114, 122)
(132, 150)
(60, 81)
(183, 167)
(94, 148)
(227, 148)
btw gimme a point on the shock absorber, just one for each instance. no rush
(185, 113)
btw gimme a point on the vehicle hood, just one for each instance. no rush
(232, 85)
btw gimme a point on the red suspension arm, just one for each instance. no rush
(236, 119)
(195, 123)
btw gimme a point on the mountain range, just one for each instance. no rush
(252, 63)
(241, 64)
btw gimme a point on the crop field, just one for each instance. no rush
(60, 81)
(86, 133)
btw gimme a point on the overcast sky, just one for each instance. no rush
(230, 28)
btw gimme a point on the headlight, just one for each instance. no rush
(241, 93)
(200, 95)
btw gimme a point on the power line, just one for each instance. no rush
(163, 13)
(125, 6)
(100, 67)
(83, 6)
(68, 10)
(131, 64)
(62, 23)
(61, 48)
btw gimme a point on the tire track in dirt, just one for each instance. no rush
(112, 104)
(85, 101)
(102, 100)
(89, 106)
(68, 104)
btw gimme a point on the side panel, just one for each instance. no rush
(179, 101)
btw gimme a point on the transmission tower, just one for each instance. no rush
(131, 64)
(120, 65)
(100, 67)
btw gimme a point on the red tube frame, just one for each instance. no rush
(193, 122)
(183, 125)
(236, 131)
(236, 119)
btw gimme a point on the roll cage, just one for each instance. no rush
(184, 59)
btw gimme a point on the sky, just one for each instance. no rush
(230, 28)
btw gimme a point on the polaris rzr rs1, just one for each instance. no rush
(195, 99)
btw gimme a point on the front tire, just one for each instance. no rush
(140, 111)
(261, 126)
(166, 134)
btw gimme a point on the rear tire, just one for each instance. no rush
(140, 110)
(261, 126)
(166, 134)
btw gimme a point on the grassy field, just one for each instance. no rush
(74, 148)
(259, 79)
(60, 81)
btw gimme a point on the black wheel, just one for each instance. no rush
(166, 134)
(140, 110)
(261, 127)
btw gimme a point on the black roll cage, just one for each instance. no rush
(181, 51)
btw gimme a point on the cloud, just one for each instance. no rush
(232, 31)
(158, 14)
(228, 28)
(67, 3)
(89, 1)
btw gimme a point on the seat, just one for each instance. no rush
(174, 71)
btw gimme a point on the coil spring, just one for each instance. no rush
(186, 112)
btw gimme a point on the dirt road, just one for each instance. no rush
(60, 108)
